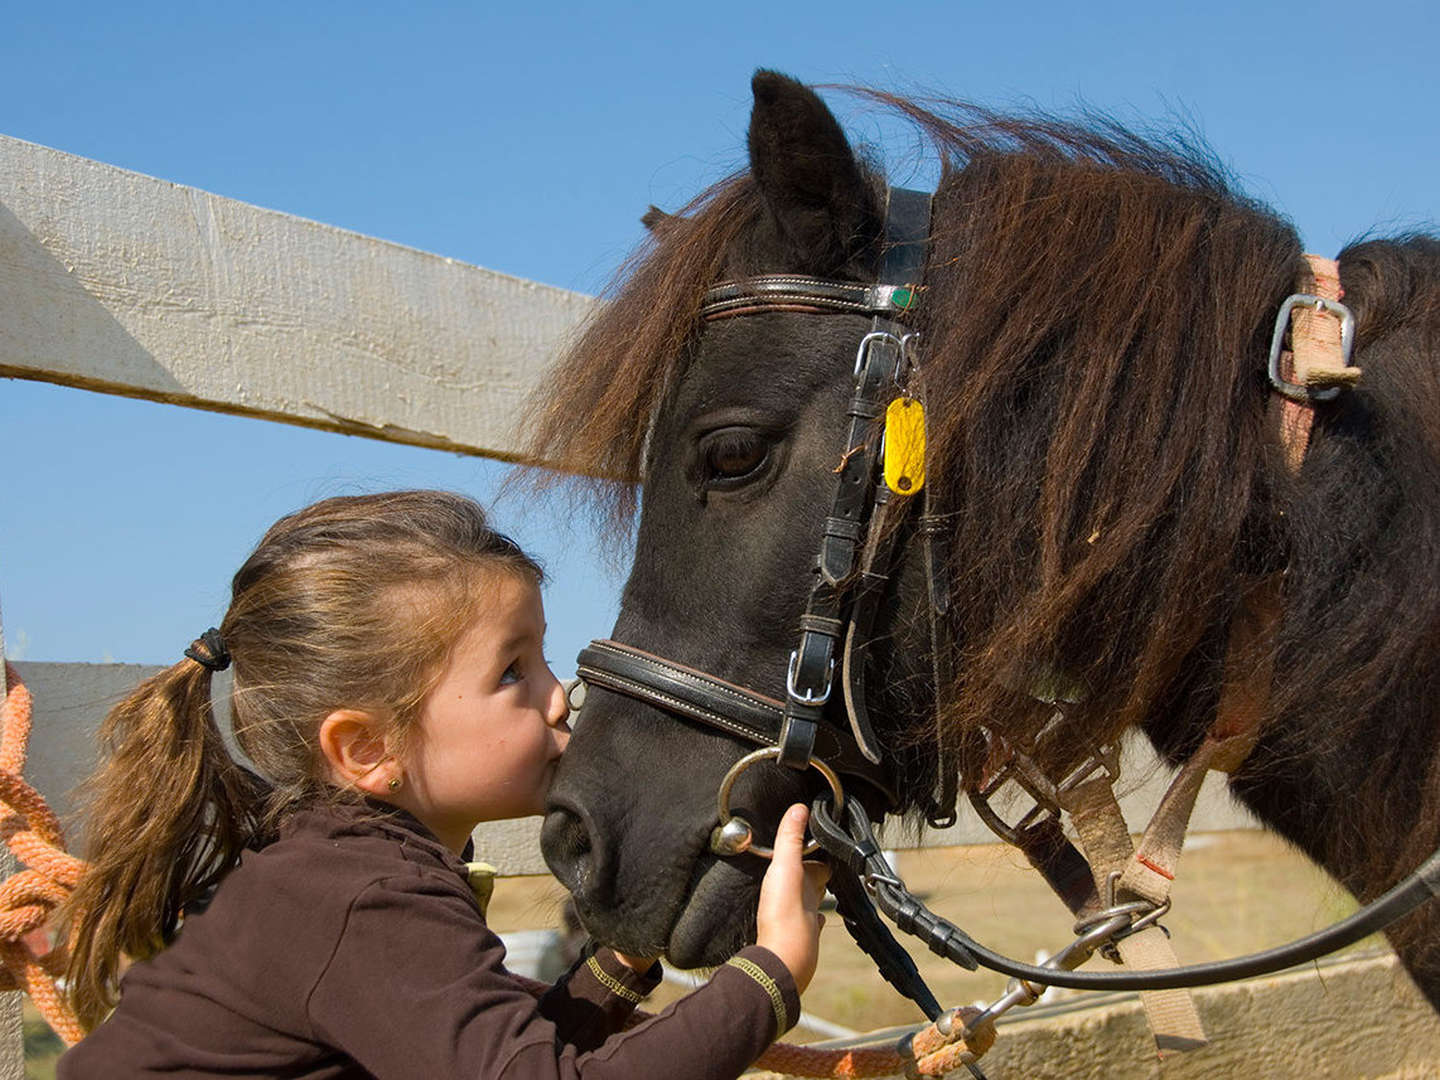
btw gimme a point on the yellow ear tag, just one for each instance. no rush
(905, 446)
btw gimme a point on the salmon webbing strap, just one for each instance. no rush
(29, 897)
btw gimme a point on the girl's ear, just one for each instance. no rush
(356, 752)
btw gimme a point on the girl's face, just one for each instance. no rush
(491, 732)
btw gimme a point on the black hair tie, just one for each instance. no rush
(211, 652)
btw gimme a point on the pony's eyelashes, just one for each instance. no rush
(732, 457)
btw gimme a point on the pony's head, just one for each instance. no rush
(1079, 449)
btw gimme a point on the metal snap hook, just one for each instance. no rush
(734, 835)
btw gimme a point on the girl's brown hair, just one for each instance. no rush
(354, 602)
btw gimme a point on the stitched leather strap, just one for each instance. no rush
(735, 710)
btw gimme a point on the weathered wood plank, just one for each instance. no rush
(119, 282)
(1349, 1017)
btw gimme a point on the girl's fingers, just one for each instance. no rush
(790, 835)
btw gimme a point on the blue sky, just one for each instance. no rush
(528, 139)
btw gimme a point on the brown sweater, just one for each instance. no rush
(352, 947)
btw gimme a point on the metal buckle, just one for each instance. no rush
(808, 696)
(1027, 777)
(1297, 391)
(1106, 758)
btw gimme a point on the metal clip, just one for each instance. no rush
(1020, 992)
(862, 353)
(908, 363)
(1149, 912)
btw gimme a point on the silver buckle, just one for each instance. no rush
(1296, 391)
(808, 696)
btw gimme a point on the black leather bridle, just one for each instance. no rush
(850, 567)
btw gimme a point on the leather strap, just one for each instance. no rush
(736, 710)
(796, 292)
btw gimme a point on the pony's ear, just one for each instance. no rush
(822, 208)
(662, 225)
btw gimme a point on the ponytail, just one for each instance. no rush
(167, 814)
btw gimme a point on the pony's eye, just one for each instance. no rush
(732, 455)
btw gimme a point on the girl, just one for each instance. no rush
(391, 690)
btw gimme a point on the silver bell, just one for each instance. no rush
(732, 838)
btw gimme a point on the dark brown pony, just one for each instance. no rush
(1095, 324)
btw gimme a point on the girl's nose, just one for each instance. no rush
(558, 710)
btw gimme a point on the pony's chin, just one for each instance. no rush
(718, 919)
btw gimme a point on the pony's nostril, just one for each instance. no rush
(566, 841)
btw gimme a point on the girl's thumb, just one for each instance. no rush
(790, 836)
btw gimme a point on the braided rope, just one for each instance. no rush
(29, 897)
(930, 1054)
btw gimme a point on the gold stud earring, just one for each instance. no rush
(394, 784)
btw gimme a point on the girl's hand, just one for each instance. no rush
(788, 918)
(638, 964)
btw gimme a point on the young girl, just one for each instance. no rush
(391, 690)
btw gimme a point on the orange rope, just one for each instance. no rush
(28, 897)
(931, 1054)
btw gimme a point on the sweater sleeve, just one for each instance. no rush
(415, 986)
(595, 997)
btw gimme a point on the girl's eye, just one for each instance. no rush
(510, 675)
(733, 455)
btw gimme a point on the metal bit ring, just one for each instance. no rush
(734, 835)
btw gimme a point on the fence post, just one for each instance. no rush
(12, 1021)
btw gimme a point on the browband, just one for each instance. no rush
(792, 291)
(902, 269)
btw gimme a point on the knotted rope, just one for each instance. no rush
(929, 1053)
(29, 897)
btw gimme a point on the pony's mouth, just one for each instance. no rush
(717, 918)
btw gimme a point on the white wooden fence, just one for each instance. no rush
(118, 282)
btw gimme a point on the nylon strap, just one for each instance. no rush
(1174, 1019)
(1315, 360)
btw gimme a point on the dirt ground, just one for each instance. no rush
(1237, 892)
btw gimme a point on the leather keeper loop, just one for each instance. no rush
(820, 624)
(865, 408)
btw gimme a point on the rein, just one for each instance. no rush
(1120, 892)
